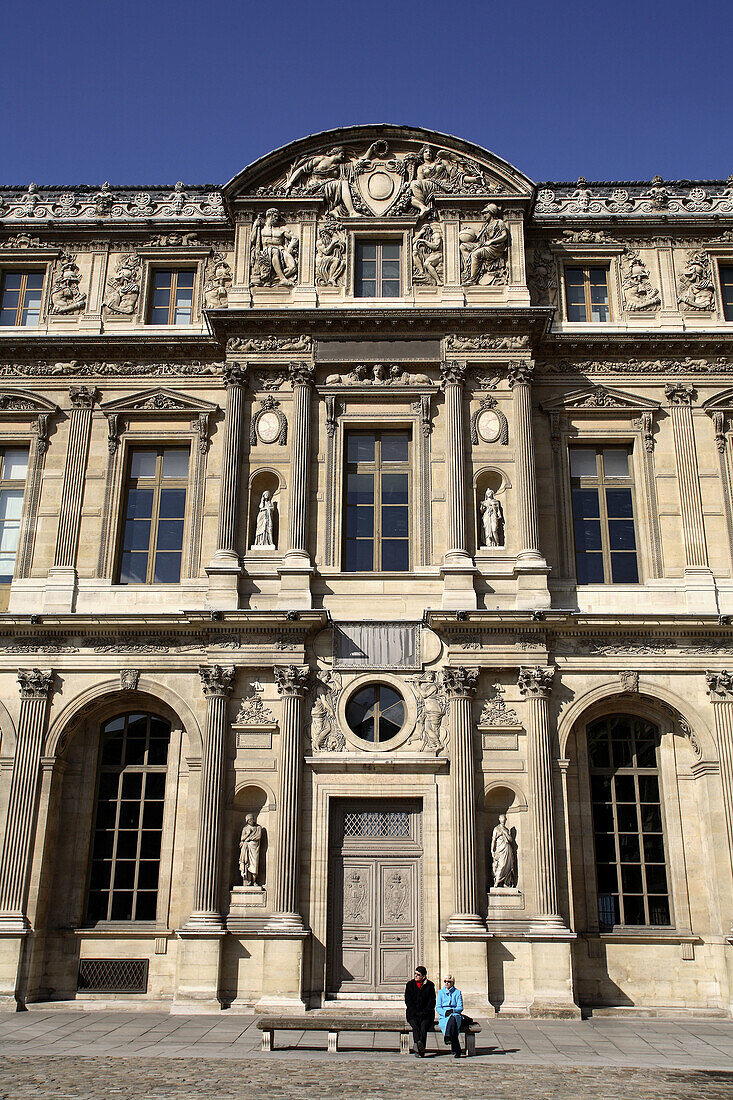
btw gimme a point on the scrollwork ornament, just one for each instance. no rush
(535, 682)
(293, 680)
(460, 682)
(720, 686)
(217, 679)
(35, 683)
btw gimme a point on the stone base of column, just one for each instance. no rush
(286, 922)
(282, 974)
(204, 922)
(59, 593)
(701, 597)
(458, 591)
(552, 979)
(468, 961)
(465, 923)
(532, 591)
(12, 949)
(295, 583)
(198, 973)
(223, 571)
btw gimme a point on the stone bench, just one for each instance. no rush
(334, 1025)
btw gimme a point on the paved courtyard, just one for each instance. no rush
(84, 1056)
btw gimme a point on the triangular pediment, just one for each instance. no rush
(23, 403)
(599, 399)
(380, 166)
(159, 400)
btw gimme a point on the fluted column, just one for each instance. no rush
(301, 377)
(535, 684)
(72, 490)
(460, 687)
(458, 567)
(235, 383)
(35, 687)
(292, 684)
(520, 379)
(680, 399)
(720, 690)
(216, 683)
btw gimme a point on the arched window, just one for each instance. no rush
(631, 870)
(128, 823)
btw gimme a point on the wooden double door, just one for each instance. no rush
(375, 896)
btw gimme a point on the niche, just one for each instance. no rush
(503, 801)
(491, 518)
(250, 800)
(264, 512)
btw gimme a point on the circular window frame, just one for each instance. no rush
(407, 697)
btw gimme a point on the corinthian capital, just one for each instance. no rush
(720, 686)
(216, 679)
(292, 679)
(535, 682)
(35, 683)
(452, 373)
(460, 682)
(520, 373)
(678, 393)
(82, 397)
(235, 374)
(301, 374)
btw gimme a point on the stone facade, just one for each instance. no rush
(375, 852)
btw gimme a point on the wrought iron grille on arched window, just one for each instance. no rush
(631, 868)
(128, 822)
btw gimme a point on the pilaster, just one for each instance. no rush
(224, 569)
(61, 586)
(35, 687)
(296, 569)
(699, 581)
(531, 568)
(458, 568)
(720, 691)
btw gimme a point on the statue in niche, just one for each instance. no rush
(492, 520)
(330, 254)
(431, 707)
(483, 254)
(274, 251)
(427, 254)
(249, 850)
(503, 855)
(65, 294)
(264, 531)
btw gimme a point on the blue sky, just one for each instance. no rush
(152, 91)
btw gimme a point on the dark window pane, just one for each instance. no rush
(598, 746)
(122, 905)
(589, 568)
(646, 754)
(154, 784)
(157, 752)
(360, 489)
(175, 462)
(132, 785)
(359, 555)
(659, 911)
(626, 817)
(129, 815)
(142, 464)
(624, 569)
(605, 848)
(150, 844)
(585, 504)
(394, 523)
(608, 910)
(153, 815)
(360, 522)
(602, 818)
(360, 447)
(172, 504)
(583, 462)
(651, 818)
(587, 535)
(628, 844)
(634, 909)
(601, 788)
(104, 843)
(147, 904)
(653, 847)
(394, 488)
(106, 815)
(127, 844)
(623, 754)
(395, 447)
(135, 750)
(97, 907)
(147, 878)
(167, 568)
(625, 788)
(170, 534)
(656, 878)
(101, 874)
(395, 555)
(631, 878)
(648, 788)
(607, 878)
(615, 462)
(124, 874)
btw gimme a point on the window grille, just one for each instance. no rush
(113, 976)
(377, 823)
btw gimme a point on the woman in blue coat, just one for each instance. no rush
(449, 1007)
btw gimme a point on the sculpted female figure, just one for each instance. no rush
(503, 855)
(492, 520)
(263, 531)
(249, 850)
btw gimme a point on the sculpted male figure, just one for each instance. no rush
(249, 850)
(277, 247)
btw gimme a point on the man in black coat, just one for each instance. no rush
(420, 1004)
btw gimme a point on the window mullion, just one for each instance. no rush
(155, 516)
(603, 512)
(172, 299)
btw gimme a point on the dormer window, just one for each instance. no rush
(171, 302)
(377, 269)
(587, 294)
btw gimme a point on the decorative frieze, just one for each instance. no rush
(123, 204)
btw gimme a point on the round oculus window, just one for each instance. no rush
(375, 713)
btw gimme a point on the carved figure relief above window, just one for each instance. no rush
(378, 374)
(124, 286)
(217, 281)
(696, 282)
(66, 297)
(330, 254)
(274, 251)
(427, 254)
(484, 250)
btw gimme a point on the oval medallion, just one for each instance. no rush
(489, 426)
(268, 427)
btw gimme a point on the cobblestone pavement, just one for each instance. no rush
(321, 1079)
(77, 1055)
